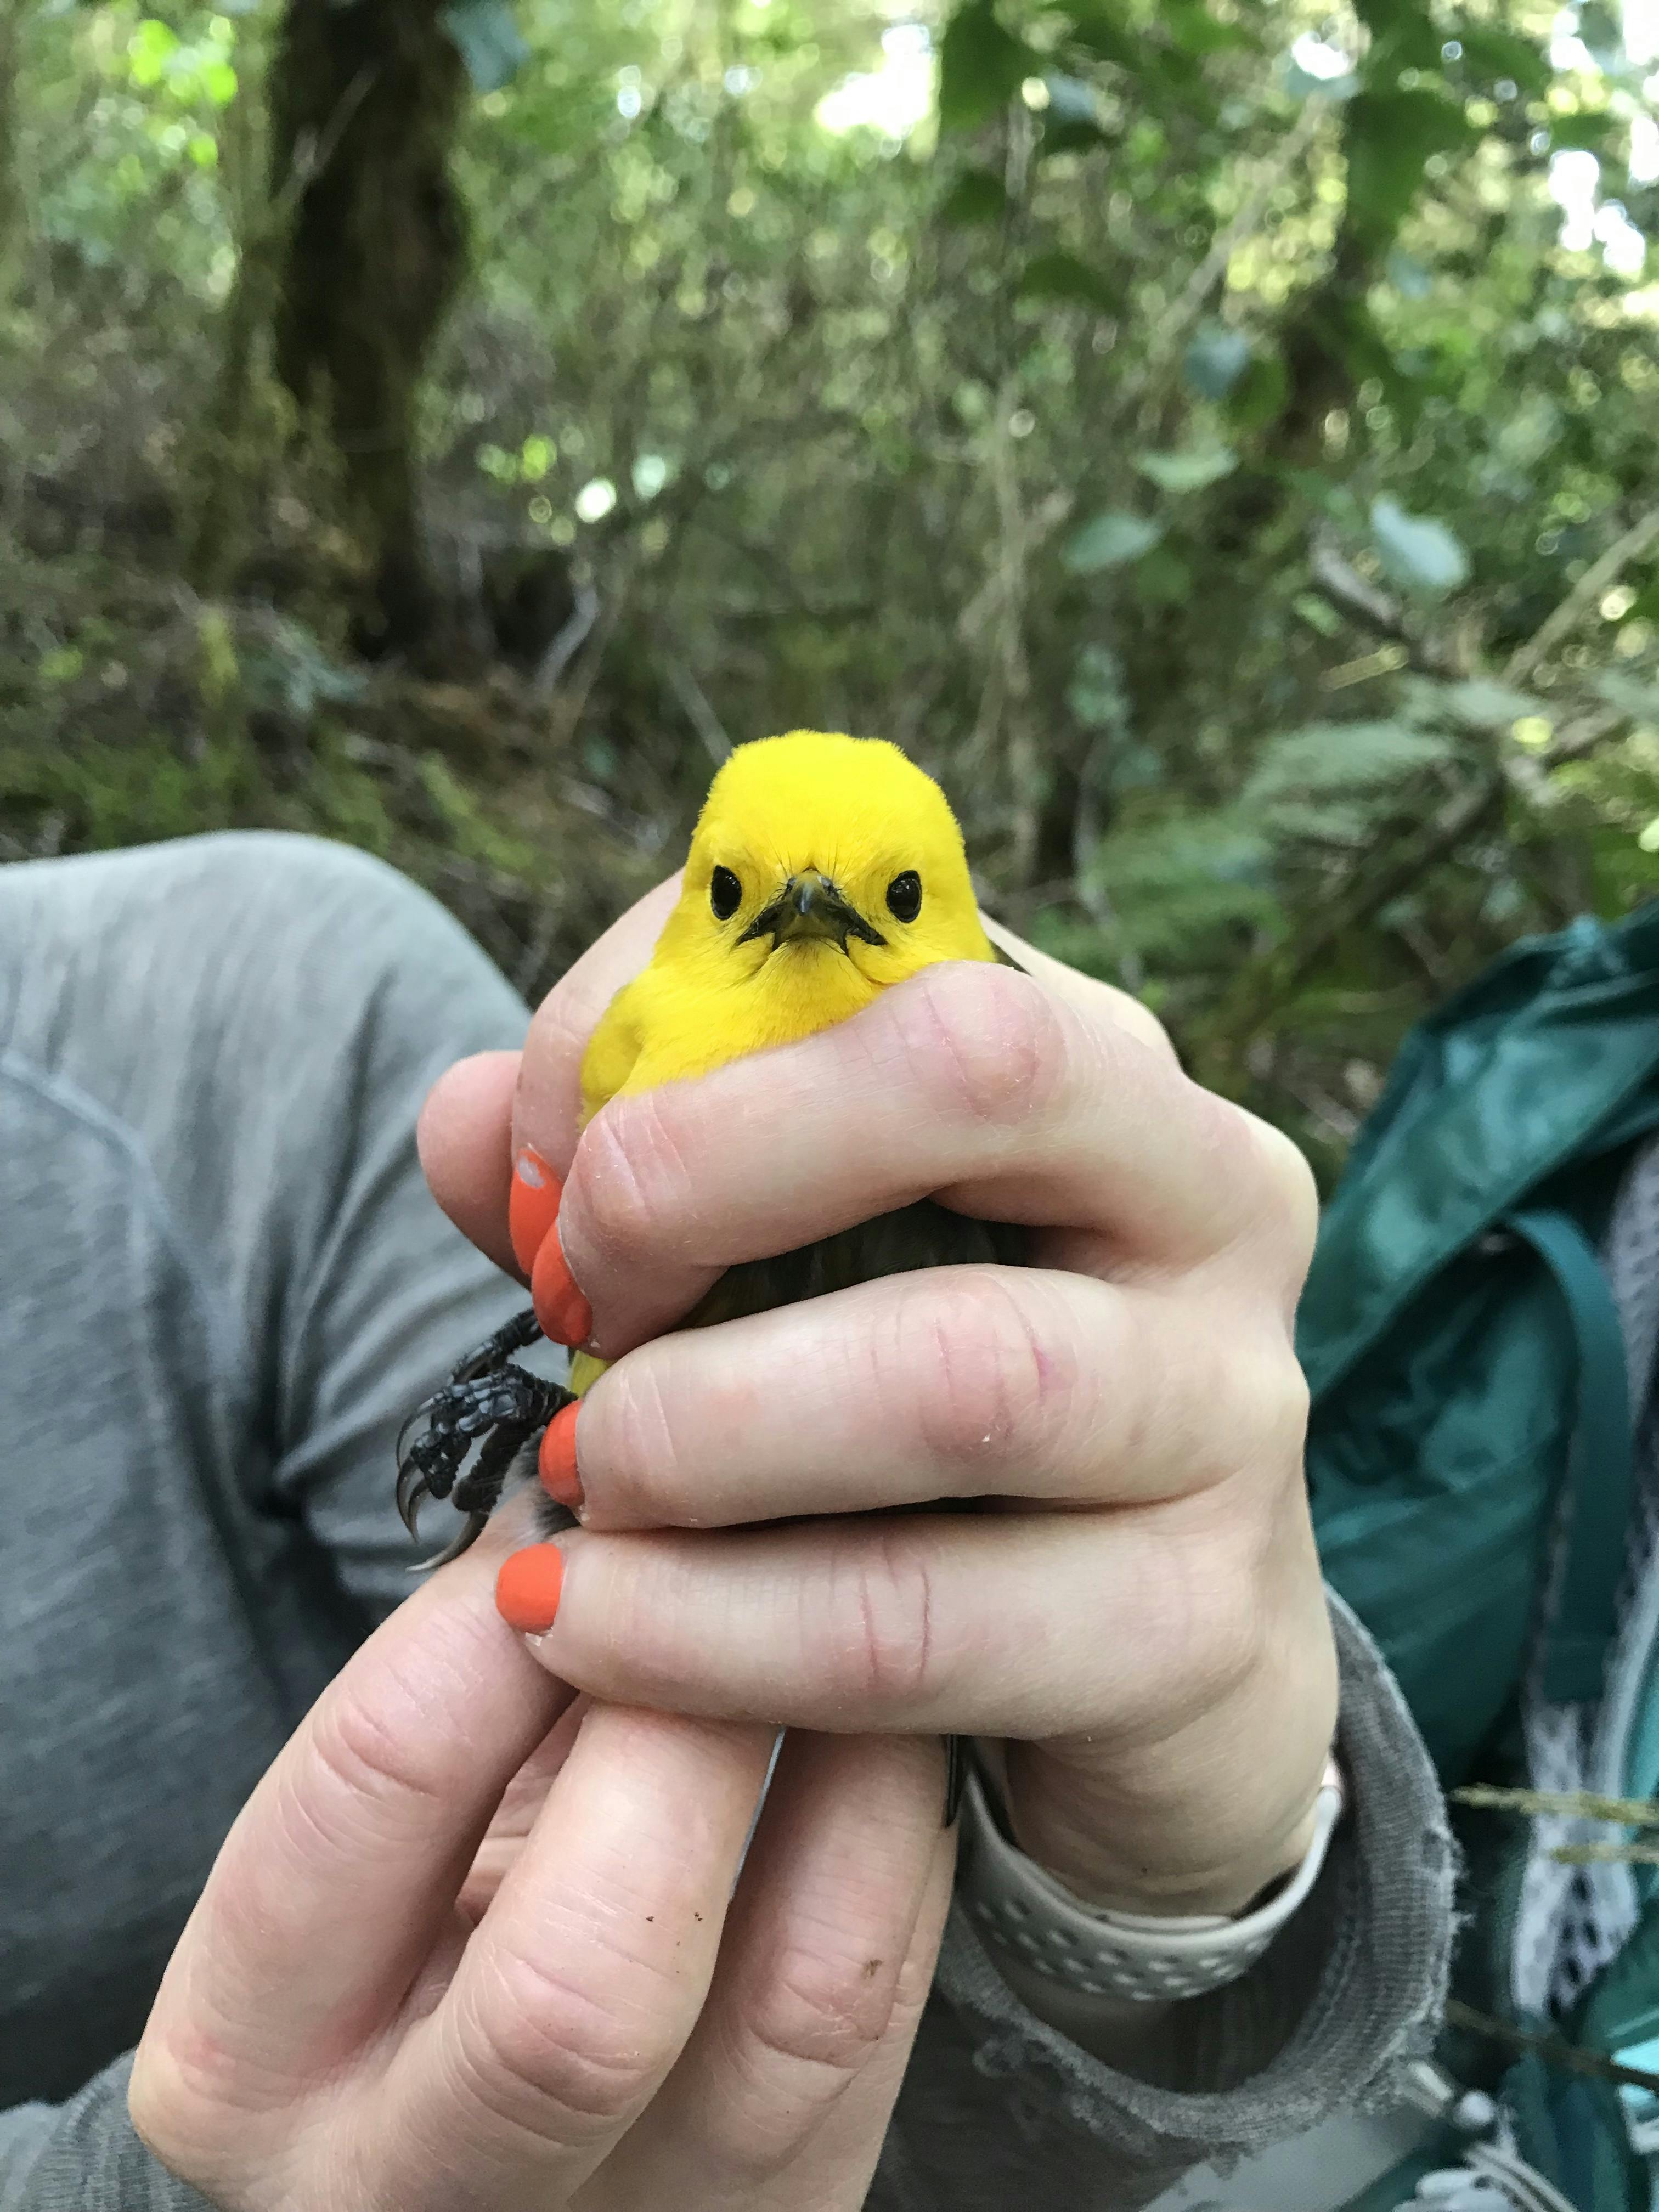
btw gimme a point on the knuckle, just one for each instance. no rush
(554, 2058)
(1272, 1421)
(823, 2009)
(192, 2097)
(883, 1618)
(1228, 1625)
(1292, 1195)
(990, 1045)
(979, 1378)
(359, 1752)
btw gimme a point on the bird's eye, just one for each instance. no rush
(904, 897)
(724, 894)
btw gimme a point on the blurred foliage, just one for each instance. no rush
(1219, 439)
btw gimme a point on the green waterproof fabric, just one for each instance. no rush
(1443, 1353)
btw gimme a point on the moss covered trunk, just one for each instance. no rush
(365, 102)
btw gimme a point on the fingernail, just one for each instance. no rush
(527, 1589)
(557, 1462)
(533, 1206)
(562, 1311)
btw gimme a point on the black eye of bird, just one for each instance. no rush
(904, 897)
(724, 894)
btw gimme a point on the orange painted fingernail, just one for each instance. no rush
(527, 1589)
(533, 1206)
(557, 1462)
(562, 1311)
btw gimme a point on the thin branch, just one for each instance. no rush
(1375, 610)
(699, 710)
(1596, 579)
(1173, 324)
(1565, 2056)
(1566, 1804)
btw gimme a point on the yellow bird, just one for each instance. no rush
(822, 870)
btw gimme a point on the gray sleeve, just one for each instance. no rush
(83, 2157)
(998, 2105)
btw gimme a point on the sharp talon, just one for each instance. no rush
(411, 1489)
(417, 1416)
(471, 1530)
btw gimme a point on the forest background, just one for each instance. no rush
(1218, 437)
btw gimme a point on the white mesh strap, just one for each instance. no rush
(1024, 1909)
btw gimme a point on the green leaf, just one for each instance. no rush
(1629, 694)
(1215, 360)
(981, 67)
(487, 39)
(1097, 29)
(1481, 704)
(1190, 471)
(1404, 35)
(1095, 694)
(1195, 31)
(1416, 551)
(1318, 613)
(1062, 276)
(1164, 579)
(1259, 394)
(975, 196)
(1327, 760)
(149, 50)
(1108, 541)
(1391, 138)
(1492, 54)
(1182, 882)
(1587, 132)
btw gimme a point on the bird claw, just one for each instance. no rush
(412, 1489)
(463, 1540)
(489, 1405)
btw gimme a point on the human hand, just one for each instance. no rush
(1138, 1623)
(461, 1952)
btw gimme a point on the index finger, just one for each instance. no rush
(967, 1082)
(348, 1856)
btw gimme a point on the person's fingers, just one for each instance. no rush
(348, 1857)
(969, 1083)
(949, 1382)
(518, 1813)
(966, 1623)
(465, 1136)
(578, 1989)
(548, 1105)
(806, 1993)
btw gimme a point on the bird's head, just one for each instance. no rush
(822, 870)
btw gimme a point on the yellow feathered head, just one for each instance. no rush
(834, 857)
(823, 869)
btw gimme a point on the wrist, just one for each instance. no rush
(1058, 1952)
(1213, 1849)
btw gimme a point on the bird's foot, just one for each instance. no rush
(487, 1412)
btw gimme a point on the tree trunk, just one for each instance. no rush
(11, 191)
(365, 102)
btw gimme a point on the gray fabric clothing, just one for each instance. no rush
(224, 1286)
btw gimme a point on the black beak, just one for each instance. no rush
(809, 910)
